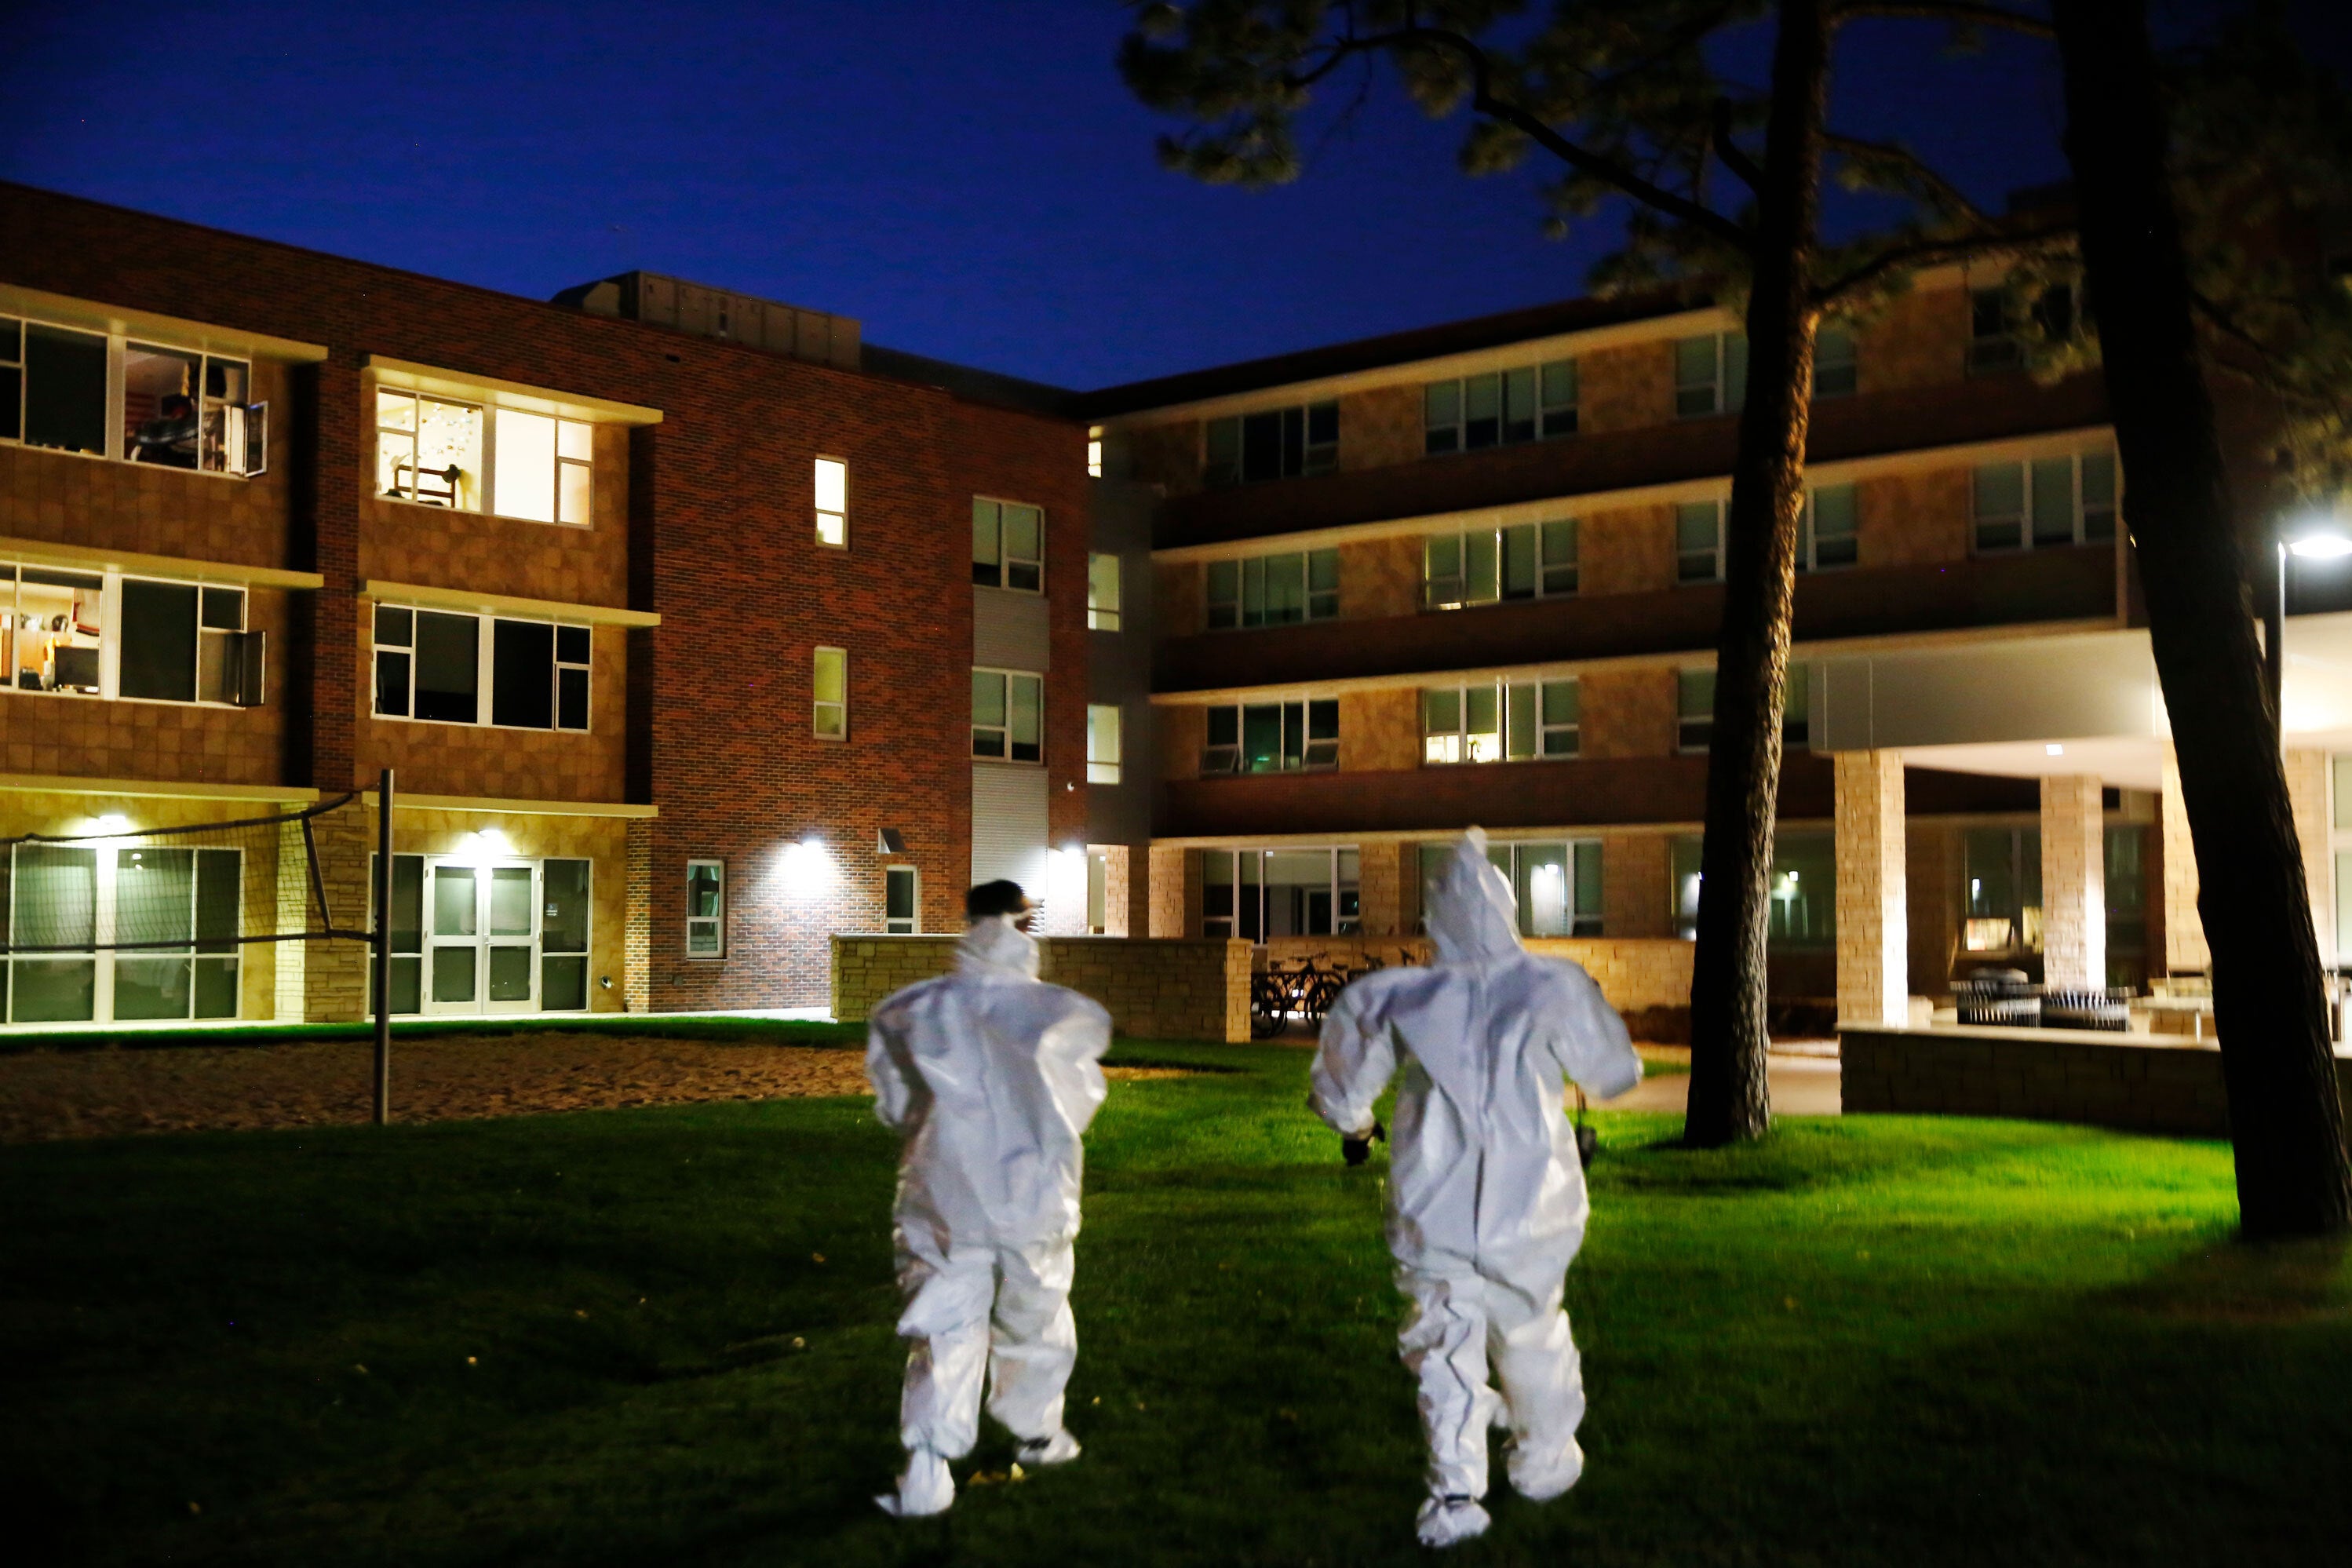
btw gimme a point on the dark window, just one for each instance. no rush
(65, 389)
(448, 668)
(523, 674)
(158, 640)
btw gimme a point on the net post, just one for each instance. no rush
(381, 947)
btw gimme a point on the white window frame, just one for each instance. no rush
(1809, 539)
(1314, 456)
(106, 874)
(428, 939)
(1103, 609)
(484, 668)
(1548, 392)
(1229, 925)
(1724, 388)
(820, 707)
(988, 518)
(715, 922)
(1552, 547)
(1686, 556)
(902, 925)
(2027, 518)
(1694, 709)
(1103, 742)
(1314, 753)
(241, 437)
(572, 437)
(229, 658)
(1510, 857)
(1524, 731)
(1226, 604)
(1004, 730)
(830, 479)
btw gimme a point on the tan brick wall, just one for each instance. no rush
(1180, 591)
(334, 974)
(1379, 577)
(2074, 882)
(1907, 520)
(1387, 879)
(1181, 731)
(1920, 339)
(2184, 929)
(1167, 990)
(1379, 428)
(1630, 550)
(1168, 917)
(2306, 791)
(638, 936)
(1628, 713)
(1625, 388)
(1168, 454)
(1873, 908)
(1635, 899)
(1379, 730)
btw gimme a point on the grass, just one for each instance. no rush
(608, 1338)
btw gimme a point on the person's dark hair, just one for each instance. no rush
(1000, 898)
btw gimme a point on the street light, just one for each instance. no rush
(2319, 537)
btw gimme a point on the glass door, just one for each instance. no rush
(482, 948)
(453, 941)
(510, 929)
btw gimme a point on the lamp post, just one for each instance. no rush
(2316, 539)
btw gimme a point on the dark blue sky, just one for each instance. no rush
(972, 181)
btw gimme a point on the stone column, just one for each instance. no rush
(637, 927)
(2306, 793)
(2074, 882)
(1167, 892)
(2184, 931)
(1873, 905)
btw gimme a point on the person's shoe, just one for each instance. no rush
(926, 1489)
(1541, 1483)
(1446, 1521)
(1058, 1450)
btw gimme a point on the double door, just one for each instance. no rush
(482, 936)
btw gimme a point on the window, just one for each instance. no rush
(1255, 894)
(1279, 444)
(1800, 908)
(1008, 715)
(1828, 534)
(1008, 545)
(1274, 590)
(91, 634)
(1102, 743)
(1094, 452)
(1557, 885)
(1499, 408)
(2001, 890)
(432, 665)
(1102, 592)
(1499, 720)
(182, 906)
(179, 408)
(1835, 369)
(830, 681)
(1710, 375)
(902, 902)
(706, 909)
(1699, 541)
(1694, 709)
(2048, 502)
(1490, 566)
(1274, 737)
(833, 503)
(509, 461)
(1797, 707)
(503, 936)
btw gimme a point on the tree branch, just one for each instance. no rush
(1856, 148)
(1738, 161)
(1966, 13)
(1484, 101)
(1931, 251)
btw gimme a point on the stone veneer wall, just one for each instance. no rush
(1171, 990)
(2041, 1075)
(1636, 974)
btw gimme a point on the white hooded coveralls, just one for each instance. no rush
(1486, 1200)
(991, 1076)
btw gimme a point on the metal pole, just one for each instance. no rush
(382, 947)
(2275, 645)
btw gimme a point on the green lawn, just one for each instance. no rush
(607, 1338)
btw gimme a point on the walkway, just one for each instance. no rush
(1801, 1086)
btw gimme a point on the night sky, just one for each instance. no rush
(973, 182)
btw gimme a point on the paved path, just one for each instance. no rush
(1801, 1086)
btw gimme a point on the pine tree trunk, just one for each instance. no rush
(1729, 1098)
(2276, 1062)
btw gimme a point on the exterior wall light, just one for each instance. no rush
(809, 871)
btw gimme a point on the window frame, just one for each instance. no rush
(1314, 752)
(1694, 731)
(1006, 566)
(1549, 418)
(489, 408)
(1104, 769)
(1726, 384)
(908, 924)
(715, 921)
(1343, 895)
(1315, 603)
(1846, 368)
(1685, 555)
(485, 671)
(818, 703)
(1809, 538)
(1297, 451)
(243, 432)
(1516, 719)
(241, 661)
(1551, 576)
(1103, 616)
(837, 515)
(1005, 679)
(2027, 518)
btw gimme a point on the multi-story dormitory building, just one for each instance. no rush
(659, 599)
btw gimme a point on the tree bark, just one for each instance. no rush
(1729, 1098)
(2279, 1067)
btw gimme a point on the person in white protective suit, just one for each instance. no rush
(1486, 1201)
(991, 1077)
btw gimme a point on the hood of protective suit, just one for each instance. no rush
(1472, 914)
(994, 945)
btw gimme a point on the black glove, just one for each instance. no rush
(1356, 1151)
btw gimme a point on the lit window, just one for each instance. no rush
(1274, 590)
(1494, 722)
(706, 909)
(1710, 375)
(543, 467)
(1094, 452)
(104, 397)
(833, 503)
(170, 642)
(1102, 743)
(1279, 444)
(509, 461)
(1558, 884)
(831, 684)
(1008, 545)
(1699, 541)
(1500, 408)
(1102, 592)
(1273, 737)
(1008, 715)
(2045, 503)
(1491, 565)
(428, 451)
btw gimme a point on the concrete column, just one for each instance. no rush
(1873, 905)
(2306, 793)
(2074, 882)
(2184, 932)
